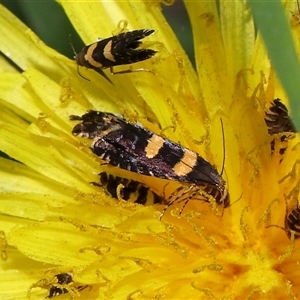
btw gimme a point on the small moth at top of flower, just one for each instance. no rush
(121, 49)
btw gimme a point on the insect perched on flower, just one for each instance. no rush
(121, 49)
(134, 148)
(292, 222)
(128, 190)
(279, 124)
(59, 284)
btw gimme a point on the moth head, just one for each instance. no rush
(93, 123)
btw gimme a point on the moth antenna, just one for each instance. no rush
(280, 227)
(238, 199)
(75, 55)
(224, 148)
(71, 44)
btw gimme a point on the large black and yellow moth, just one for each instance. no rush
(136, 149)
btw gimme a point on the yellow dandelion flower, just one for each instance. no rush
(61, 235)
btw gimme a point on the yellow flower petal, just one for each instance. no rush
(32, 150)
(122, 250)
(238, 35)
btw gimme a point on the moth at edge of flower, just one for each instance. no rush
(281, 126)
